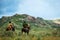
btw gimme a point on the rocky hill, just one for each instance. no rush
(19, 18)
(39, 27)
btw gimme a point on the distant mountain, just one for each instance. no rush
(19, 18)
(40, 28)
(57, 21)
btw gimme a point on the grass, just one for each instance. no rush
(30, 37)
(35, 34)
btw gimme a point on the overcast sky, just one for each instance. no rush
(47, 9)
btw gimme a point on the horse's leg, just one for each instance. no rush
(27, 32)
(22, 30)
(7, 29)
(13, 29)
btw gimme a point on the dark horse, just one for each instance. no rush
(26, 29)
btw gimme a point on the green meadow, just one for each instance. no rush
(40, 29)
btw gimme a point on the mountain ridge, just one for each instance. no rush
(28, 18)
(40, 28)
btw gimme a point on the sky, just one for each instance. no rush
(47, 9)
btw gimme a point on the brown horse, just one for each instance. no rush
(10, 28)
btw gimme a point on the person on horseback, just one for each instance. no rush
(10, 26)
(26, 27)
(25, 24)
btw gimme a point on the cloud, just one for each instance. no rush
(35, 8)
(43, 8)
(47, 9)
(7, 6)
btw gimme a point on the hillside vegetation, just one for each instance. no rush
(40, 29)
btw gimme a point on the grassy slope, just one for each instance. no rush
(42, 32)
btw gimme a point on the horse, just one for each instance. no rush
(26, 29)
(10, 28)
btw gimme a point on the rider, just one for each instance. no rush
(26, 27)
(10, 26)
(25, 24)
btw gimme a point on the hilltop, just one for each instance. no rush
(19, 18)
(39, 26)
